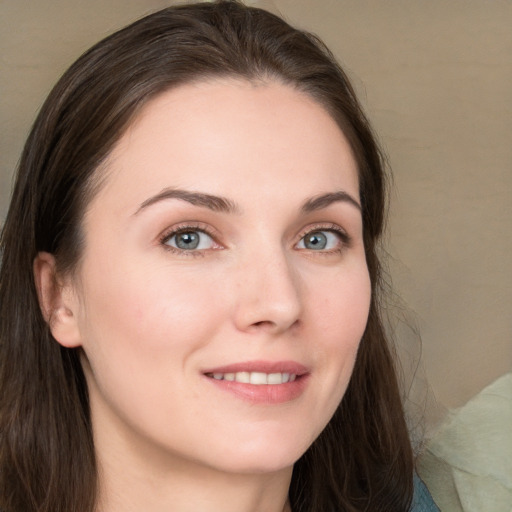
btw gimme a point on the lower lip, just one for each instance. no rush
(264, 393)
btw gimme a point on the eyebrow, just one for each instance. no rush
(224, 205)
(214, 203)
(325, 200)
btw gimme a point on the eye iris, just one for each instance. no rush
(316, 240)
(187, 240)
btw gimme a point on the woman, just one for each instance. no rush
(189, 287)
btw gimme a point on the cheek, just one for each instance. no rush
(140, 330)
(341, 315)
(150, 306)
(145, 325)
(342, 307)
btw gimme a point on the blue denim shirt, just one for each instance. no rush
(422, 500)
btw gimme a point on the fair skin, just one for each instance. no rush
(180, 297)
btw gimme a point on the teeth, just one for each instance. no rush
(256, 378)
(244, 377)
(275, 378)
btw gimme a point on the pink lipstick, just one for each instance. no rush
(265, 382)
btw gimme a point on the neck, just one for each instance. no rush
(131, 487)
(133, 478)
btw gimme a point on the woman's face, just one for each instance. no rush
(223, 289)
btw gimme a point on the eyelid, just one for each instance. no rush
(176, 229)
(345, 238)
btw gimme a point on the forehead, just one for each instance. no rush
(232, 136)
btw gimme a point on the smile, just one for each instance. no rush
(256, 378)
(260, 382)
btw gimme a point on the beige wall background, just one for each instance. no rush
(436, 80)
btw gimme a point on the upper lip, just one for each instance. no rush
(261, 366)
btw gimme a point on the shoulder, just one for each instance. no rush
(422, 500)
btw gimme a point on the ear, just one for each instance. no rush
(57, 300)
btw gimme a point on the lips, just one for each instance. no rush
(268, 382)
(261, 366)
(256, 378)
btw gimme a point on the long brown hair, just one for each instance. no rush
(363, 459)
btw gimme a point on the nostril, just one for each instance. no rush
(270, 325)
(263, 324)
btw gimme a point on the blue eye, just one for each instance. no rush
(320, 240)
(190, 240)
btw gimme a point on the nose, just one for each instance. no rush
(268, 293)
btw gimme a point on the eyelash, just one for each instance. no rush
(345, 239)
(176, 230)
(184, 228)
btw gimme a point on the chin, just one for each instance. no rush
(258, 466)
(261, 456)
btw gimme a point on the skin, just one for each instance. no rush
(151, 318)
